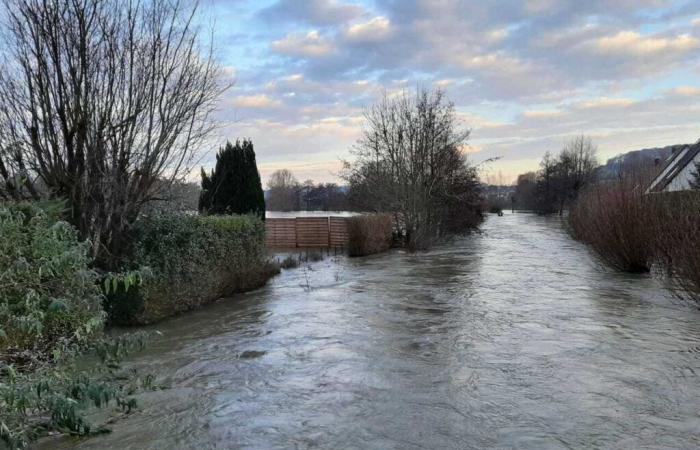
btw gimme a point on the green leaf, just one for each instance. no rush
(57, 305)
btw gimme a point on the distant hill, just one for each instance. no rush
(638, 160)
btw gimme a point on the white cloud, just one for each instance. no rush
(606, 102)
(686, 91)
(255, 102)
(376, 30)
(631, 43)
(542, 114)
(497, 35)
(309, 45)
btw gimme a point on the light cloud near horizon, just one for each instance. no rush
(525, 76)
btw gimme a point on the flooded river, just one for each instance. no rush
(510, 339)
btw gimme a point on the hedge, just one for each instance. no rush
(369, 234)
(191, 260)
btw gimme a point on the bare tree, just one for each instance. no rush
(100, 102)
(562, 177)
(284, 191)
(409, 162)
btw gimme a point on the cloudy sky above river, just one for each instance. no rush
(525, 76)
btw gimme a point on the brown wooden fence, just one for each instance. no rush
(306, 232)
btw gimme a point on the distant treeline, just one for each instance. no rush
(286, 193)
(561, 177)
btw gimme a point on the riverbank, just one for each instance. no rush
(515, 337)
(56, 361)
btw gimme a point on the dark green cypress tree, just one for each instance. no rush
(234, 186)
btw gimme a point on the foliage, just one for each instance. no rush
(285, 193)
(55, 398)
(526, 191)
(191, 260)
(100, 100)
(234, 186)
(369, 234)
(49, 298)
(560, 178)
(323, 197)
(409, 163)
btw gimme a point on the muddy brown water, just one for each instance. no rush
(510, 339)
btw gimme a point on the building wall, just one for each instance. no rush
(682, 181)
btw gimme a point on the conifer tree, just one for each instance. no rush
(234, 186)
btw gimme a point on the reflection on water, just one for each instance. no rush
(514, 338)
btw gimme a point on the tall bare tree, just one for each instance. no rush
(100, 101)
(284, 191)
(409, 162)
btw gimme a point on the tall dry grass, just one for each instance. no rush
(633, 232)
(613, 219)
(369, 234)
(676, 223)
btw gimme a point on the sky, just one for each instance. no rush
(525, 75)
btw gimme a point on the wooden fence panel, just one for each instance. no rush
(339, 232)
(306, 232)
(281, 233)
(312, 232)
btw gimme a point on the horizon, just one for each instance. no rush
(524, 76)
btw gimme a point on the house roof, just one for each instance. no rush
(674, 165)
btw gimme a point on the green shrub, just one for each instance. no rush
(369, 234)
(49, 299)
(56, 398)
(192, 260)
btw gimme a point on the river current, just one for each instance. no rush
(512, 338)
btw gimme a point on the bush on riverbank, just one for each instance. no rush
(51, 317)
(613, 220)
(369, 234)
(677, 240)
(55, 398)
(193, 260)
(634, 232)
(49, 298)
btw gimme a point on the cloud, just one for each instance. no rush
(524, 74)
(376, 30)
(260, 101)
(606, 102)
(315, 12)
(309, 45)
(631, 43)
(686, 91)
